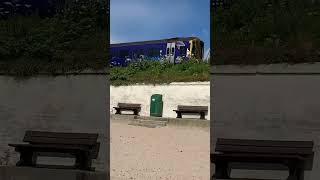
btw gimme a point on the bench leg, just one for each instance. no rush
(118, 111)
(222, 171)
(82, 176)
(27, 158)
(295, 172)
(83, 161)
(135, 112)
(202, 115)
(179, 115)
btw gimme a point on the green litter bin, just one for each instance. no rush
(156, 105)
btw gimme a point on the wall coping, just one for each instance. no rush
(206, 83)
(305, 68)
(83, 72)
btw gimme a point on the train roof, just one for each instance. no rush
(155, 41)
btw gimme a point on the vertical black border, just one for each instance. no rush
(107, 20)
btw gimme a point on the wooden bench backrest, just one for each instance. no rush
(192, 108)
(129, 105)
(264, 146)
(42, 137)
(82, 139)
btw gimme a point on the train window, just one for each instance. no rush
(123, 53)
(153, 52)
(115, 54)
(156, 52)
(182, 50)
(142, 52)
(150, 52)
(138, 53)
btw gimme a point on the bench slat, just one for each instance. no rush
(259, 166)
(58, 166)
(60, 138)
(129, 105)
(263, 149)
(62, 134)
(127, 108)
(190, 111)
(261, 158)
(52, 140)
(270, 143)
(252, 155)
(50, 146)
(192, 108)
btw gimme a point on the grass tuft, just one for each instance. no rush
(151, 72)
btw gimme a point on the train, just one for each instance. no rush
(173, 50)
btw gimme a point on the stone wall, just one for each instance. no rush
(279, 102)
(73, 103)
(193, 93)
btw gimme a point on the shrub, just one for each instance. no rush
(263, 32)
(153, 72)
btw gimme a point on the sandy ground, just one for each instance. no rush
(173, 153)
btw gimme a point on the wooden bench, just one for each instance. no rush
(82, 146)
(136, 108)
(297, 156)
(202, 110)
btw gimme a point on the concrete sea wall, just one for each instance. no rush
(193, 93)
(73, 103)
(277, 102)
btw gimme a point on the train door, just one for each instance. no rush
(170, 52)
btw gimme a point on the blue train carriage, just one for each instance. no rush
(174, 50)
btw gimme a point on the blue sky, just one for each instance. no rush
(139, 20)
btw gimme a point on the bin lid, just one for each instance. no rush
(156, 97)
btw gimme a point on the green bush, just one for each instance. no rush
(153, 72)
(263, 32)
(73, 40)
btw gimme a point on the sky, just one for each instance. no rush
(141, 20)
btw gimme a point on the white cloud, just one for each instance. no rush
(115, 39)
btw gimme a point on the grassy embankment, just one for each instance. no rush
(265, 32)
(160, 73)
